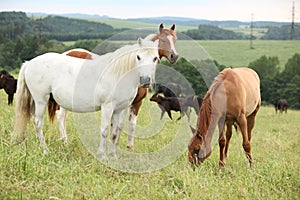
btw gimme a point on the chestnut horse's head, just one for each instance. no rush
(166, 43)
(194, 148)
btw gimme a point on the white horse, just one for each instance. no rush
(165, 38)
(108, 82)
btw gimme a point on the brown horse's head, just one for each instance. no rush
(166, 43)
(194, 147)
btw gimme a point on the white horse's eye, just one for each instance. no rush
(138, 57)
(155, 59)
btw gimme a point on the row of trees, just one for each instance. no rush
(276, 83)
(209, 32)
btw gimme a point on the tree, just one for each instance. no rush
(266, 66)
(292, 67)
(267, 69)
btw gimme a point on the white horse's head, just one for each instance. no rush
(147, 59)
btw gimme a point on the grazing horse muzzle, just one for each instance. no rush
(145, 81)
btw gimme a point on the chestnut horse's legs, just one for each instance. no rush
(251, 121)
(134, 110)
(242, 122)
(222, 141)
(228, 137)
(132, 123)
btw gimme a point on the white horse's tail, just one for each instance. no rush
(24, 105)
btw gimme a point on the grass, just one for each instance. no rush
(71, 172)
(237, 53)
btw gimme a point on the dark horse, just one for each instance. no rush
(194, 101)
(166, 104)
(9, 84)
(234, 96)
(280, 104)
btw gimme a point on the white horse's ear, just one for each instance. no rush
(140, 41)
(161, 27)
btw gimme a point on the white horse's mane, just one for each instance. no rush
(123, 59)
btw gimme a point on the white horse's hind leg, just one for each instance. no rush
(61, 119)
(131, 129)
(38, 121)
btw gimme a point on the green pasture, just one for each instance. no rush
(71, 172)
(237, 53)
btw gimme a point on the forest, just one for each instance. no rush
(23, 38)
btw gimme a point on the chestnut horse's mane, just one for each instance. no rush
(205, 117)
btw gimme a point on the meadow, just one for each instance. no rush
(237, 53)
(71, 172)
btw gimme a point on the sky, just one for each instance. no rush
(242, 10)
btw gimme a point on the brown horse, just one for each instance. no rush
(166, 48)
(280, 104)
(234, 96)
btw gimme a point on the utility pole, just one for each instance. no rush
(293, 22)
(251, 32)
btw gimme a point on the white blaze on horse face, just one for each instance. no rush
(170, 38)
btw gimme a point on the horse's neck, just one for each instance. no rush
(122, 60)
(206, 120)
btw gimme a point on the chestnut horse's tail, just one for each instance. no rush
(24, 107)
(52, 107)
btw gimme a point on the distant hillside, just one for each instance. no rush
(196, 22)
(14, 24)
(169, 20)
(72, 28)
(62, 27)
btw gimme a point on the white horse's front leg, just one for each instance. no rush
(38, 122)
(106, 114)
(61, 115)
(118, 120)
(131, 129)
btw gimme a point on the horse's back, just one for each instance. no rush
(245, 87)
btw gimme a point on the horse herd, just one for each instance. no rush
(81, 81)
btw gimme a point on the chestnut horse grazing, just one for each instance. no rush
(234, 96)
